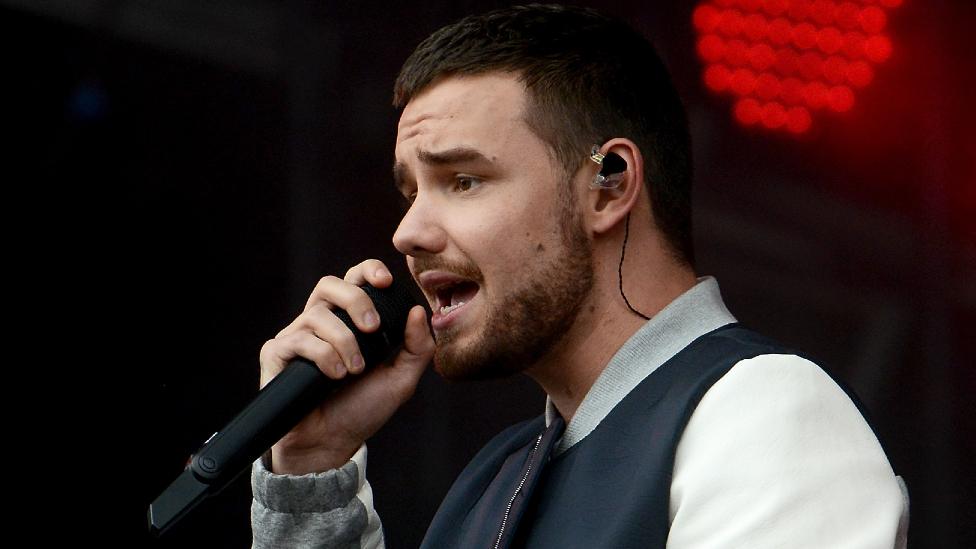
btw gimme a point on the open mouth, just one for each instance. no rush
(454, 295)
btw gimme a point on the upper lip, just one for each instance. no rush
(433, 281)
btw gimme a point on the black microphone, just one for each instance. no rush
(277, 408)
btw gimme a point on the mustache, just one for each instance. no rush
(464, 269)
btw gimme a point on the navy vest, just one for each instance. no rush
(611, 489)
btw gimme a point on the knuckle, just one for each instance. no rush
(345, 339)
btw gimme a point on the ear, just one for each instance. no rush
(603, 208)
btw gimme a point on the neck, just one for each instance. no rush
(605, 323)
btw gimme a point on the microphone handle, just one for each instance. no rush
(277, 408)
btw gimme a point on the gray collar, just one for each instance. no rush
(694, 313)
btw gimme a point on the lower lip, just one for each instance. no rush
(439, 321)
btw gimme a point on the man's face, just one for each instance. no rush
(493, 235)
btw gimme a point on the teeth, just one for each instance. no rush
(448, 308)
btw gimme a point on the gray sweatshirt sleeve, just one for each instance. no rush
(333, 509)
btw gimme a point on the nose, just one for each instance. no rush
(420, 231)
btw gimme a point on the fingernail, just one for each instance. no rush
(370, 319)
(358, 363)
(340, 369)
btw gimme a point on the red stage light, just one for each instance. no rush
(835, 69)
(711, 48)
(748, 111)
(775, 7)
(815, 95)
(877, 48)
(841, 99)
(804, 36)
(822, 12)
(782, 59)
(859, 74)
(706, 18)
(872, 19)
(773, 115)
(743, 81)
(717, 77)
(798, 120)
(829, 40)
(761, 57)
(779, 31)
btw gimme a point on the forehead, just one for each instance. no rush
(485, 112)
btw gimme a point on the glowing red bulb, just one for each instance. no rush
(792, 91)
(779, 31)
(768, 86)
(706, 18)
(773, 115)
(859, 74)
(717, 77)
(804, 36)
(877, 48)
(748, 111)
(743, 81)
(853, 45)
(847, 15)
(835, 69)
(761, 57)
(822, 11)
(711, 48)
(872, 19)
(841, 99)
(798, 120)
(775, 7)
(799, 9)
(815, 95)
(755, 27)
(737, 53)
(829, 40)
(811, 66)
(786, 62)
(731, 23)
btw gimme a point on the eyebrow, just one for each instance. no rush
(456, 155)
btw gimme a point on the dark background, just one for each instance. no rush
(205, 163)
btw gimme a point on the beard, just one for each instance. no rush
(525, 323)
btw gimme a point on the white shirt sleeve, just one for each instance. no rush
(777, 455)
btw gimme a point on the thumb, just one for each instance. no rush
(418, 344)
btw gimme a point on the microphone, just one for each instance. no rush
(277, 408)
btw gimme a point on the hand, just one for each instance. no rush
(332, 433)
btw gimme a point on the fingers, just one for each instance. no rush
(276, 353)
(335, 292)
(371, 271)
(347, 295)
(317, 334)
(320, 321)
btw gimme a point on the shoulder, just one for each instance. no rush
(778, 443)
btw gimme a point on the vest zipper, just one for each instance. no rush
(511, 501)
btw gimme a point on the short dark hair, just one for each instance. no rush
(589, 78)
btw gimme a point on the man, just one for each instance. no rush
(545, 158)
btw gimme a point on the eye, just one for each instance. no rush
(407, 199)
(465, 183)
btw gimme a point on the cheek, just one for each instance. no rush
(509, 238)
